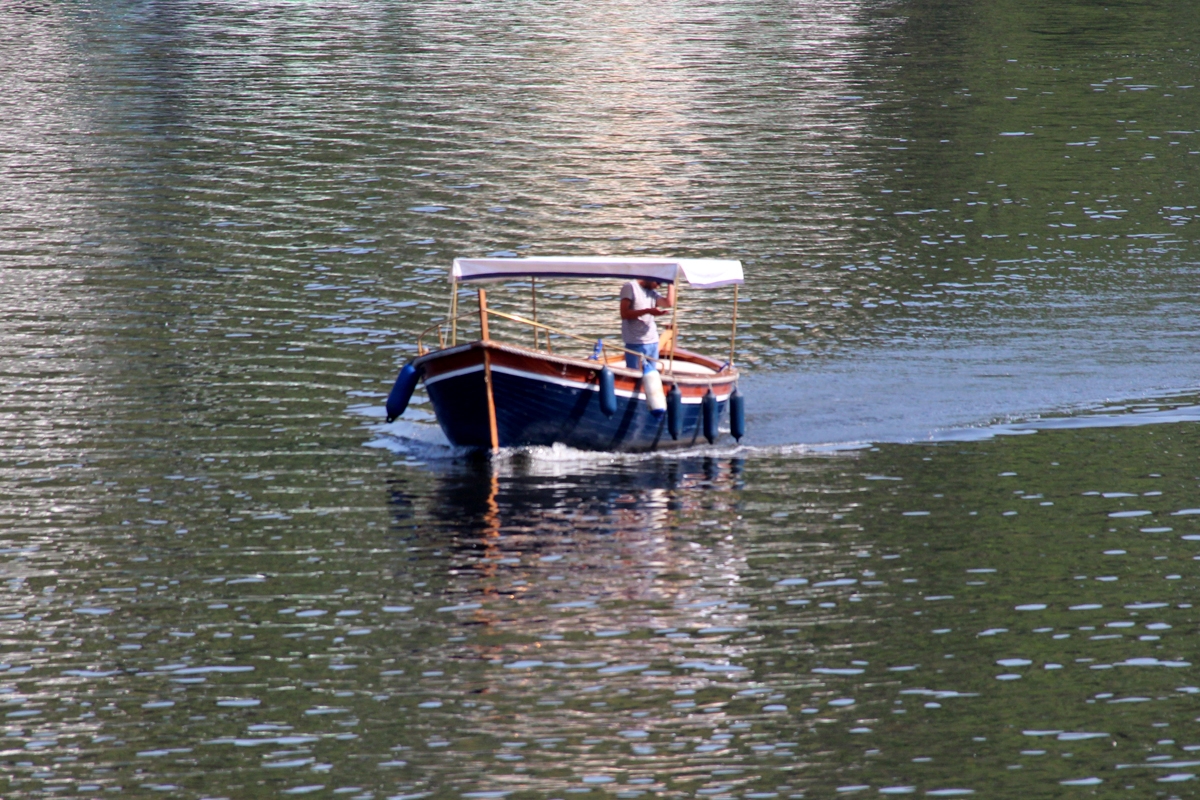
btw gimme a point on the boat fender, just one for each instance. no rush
(674, 412)
(402, 390)
(737, 415)
(608, 392)
(652, 387)
(709, 406)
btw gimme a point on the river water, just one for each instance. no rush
(956, 553)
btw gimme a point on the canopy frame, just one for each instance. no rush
(699, 273)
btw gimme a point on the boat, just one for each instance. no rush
(496, 393)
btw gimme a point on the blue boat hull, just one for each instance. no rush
(533, 410)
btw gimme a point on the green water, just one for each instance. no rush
(955, 553)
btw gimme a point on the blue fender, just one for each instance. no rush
(737, 415)
(709, 406)
(402, 391)
(674, 412)
(608, 392)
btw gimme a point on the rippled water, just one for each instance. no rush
(955, 554)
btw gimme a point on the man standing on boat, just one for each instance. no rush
(640, 304)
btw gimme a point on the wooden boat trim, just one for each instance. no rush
(717, 378)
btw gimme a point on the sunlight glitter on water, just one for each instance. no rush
(217, 257)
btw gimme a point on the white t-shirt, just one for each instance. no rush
(641, 330)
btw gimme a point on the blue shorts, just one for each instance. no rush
(648, 350)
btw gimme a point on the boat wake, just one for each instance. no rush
(913, 394)
(996, 383)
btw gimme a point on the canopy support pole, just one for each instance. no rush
(533, 297)
(733, 335)
(483, 315)
(493, 432)
(453, 312)
(674, 325)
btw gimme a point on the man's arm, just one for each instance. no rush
(669, 300)
(629, 312)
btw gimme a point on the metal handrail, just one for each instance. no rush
(438, 326)
(560, 332)
(515, 318)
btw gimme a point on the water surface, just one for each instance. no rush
(953, 555)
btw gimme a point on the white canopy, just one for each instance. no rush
(700, 273)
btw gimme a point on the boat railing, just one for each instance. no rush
(600, 348)
(439, 327)
(603, 346)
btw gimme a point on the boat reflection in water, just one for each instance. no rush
(622, 515)
(594, 613)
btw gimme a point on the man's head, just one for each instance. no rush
(648, 283)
